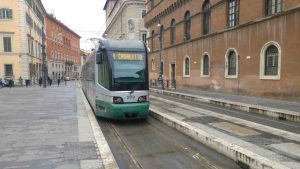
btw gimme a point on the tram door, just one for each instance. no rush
(173, 75)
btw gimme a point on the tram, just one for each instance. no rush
(115, 79)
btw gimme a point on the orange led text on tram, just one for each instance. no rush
(127, 56)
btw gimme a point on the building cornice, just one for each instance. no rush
(124, 5)
(284, 13)
(113, 8)
(61, 24)
(43, 8)
(171, 8)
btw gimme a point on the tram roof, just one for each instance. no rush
(123, 45)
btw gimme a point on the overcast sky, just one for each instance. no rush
(85, 17)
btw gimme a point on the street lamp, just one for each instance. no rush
(160, 77)
(44, 58)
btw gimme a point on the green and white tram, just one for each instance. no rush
(115, 79)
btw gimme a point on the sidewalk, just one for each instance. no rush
(284, 110)
(47, 128)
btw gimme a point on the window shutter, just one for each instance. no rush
(9, 11)
(7, 44)
(1, 13)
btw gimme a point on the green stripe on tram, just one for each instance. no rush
(122, 111)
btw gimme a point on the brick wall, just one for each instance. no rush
(248, 39)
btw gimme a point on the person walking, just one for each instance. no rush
(10, 83)
(27, 83)
(40, 81)
(58, 81)
(50, 82)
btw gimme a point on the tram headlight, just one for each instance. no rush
(142, 99)
(117, 100)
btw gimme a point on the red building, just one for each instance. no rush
(236, 46)
(63, 49)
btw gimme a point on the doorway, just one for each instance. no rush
(172, 76)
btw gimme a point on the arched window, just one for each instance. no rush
(152, 40)
(270, 61)
(206, 17)
(173, 31)
(153, 64)
(187, 66)
(187, 25)
(205, 65)
(232, 63)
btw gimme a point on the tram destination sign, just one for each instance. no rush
(128, 56)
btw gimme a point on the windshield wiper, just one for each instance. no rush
(134, 88)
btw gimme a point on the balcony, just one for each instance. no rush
(68, 62)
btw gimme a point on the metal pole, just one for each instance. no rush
(160, 79)
(44, 58)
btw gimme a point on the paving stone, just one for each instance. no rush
(39, 129)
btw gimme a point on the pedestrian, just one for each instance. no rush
(50, 82)
(58, 81)
(40, 81)
(27, 83)
(10, 83)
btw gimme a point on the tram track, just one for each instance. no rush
(125, 147)
(151, 144)
(289, 126)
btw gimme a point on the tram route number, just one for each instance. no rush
(130, 97)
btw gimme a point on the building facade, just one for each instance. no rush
(125, 19)
(21, 24)
(236, 46)
(63, 50)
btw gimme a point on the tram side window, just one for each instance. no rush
(103, 72)
(90, 70)
(100, 73)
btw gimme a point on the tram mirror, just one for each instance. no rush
(99, 58)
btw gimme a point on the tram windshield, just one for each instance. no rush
(129, 71)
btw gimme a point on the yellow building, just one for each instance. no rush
(21, 24)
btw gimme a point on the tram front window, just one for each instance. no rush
(129, 72)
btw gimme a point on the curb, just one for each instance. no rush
(107, 157)
(267, 111)
(240, 155)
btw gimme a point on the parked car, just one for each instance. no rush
(67, 78)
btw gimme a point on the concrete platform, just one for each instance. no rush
(255, 145)
(284, 110)
(50, 128)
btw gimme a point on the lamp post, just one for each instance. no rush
(160, 77)
(44, 58)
